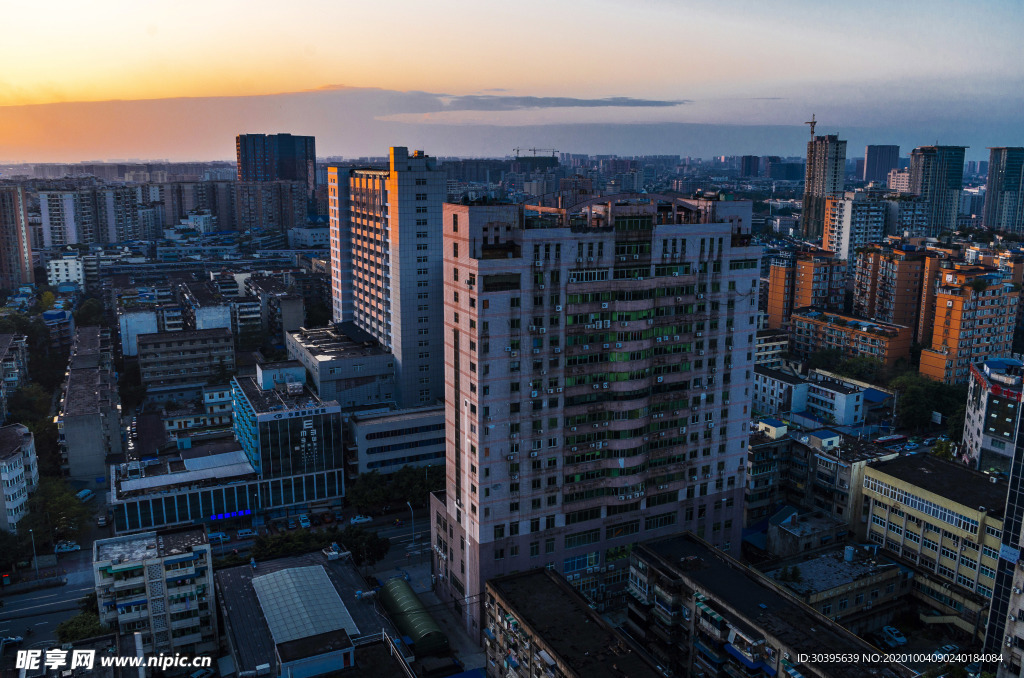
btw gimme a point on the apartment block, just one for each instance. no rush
(853, 220)
(177, 365)
(781, 279)
(1004, 202)
(888, 283)
(898, 181)
(15, 239)
(160, 585)
(597, 360)
(945, 522)
(767, 455)
(89, 418)
(936, 175)
(811, 279)
(282, 309)
(879, 161)
(975, 315)
(825, 177)
(537, 625)
(386, 264)
(815, 330)
(772, 348)
(700, 612)
(993, 414)
(815, 399)
(19, 471)
(13, 367)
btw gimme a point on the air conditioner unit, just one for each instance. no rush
(624, 324)
(538, 263)
(675, 274)
(551, 390)
(511, 457)
(507, 349)
(605, 346)
(558, 390)
(701, 352)
(650, 321)
(573, 429)
(597, 385)
(659, 340)
(534, 454)
(604, 423)
(711, 424)
(595, 426)
(661, 379)
(679, 299)
(661, 435)
(579, 260)
(574, 447)
(533, 394)
(604, 385)
(557, 349)
(536, 351)
(700, 296)
(590, 258)
(675, 338)
(699, 334)
(543, 371)
(607, 323)
(514, 435)
(586, 347)
(622, 258)
(540, 287)
(604, 305)
(558, 308)
(618, 345)
(514, 354)
(543, 330)
(514, 476)
(533, 328)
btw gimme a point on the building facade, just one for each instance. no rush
(598, 360)
(177, 365)
(1004, 207)
(160, 585)
(879, 161)
(993, 414)
(825, 176)
(852, 221)
(936, 175)
(15, 239)
(815, 331)
(888, 283)
(386, 265)
(19, 471)
(386, 441)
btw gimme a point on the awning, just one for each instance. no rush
(747, 662)
(487, 632)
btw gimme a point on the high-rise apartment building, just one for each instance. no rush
(888, 283)
(276, 157)
(811, 279)
(879, 161)
(69, 217)
(386, 264)
(781, 279)
(825, 177)
(15, 239)
(1004, 208)
(937, 174)
(994, 399)
(898, 181)
(853, 220)
(750, 166)
(599, 361)
(975, 314)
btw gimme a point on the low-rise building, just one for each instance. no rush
(993, 412)
(159, 584)
(767, 454)
(792, 532)
(538, 625)
(848, 584)
(177, 365)
(811, 401)
(89, 419)
(700, 612)
(19, 472)
(65, 269)
(944, 521)
(385, 440)
(815, 330)
(347, 365)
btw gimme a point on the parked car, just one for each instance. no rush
(973, 670)
(928, 442)
(219, 537)
(892, 635)
(292, 524)
(943, 437)
(12, 640)
(246, 533)
(945, 650)
(339, 516)
(911, 446)
(101, 520)
(357, 519)
(304, 520)
(67, 547)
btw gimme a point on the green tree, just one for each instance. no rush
(826, 359)
(943, 450)
(55, 512)
(81, 626)
(89, 313)
(14, 548)
(861, 368)
(30, 403)
(46, 301)
(89, 603)
(955, 430)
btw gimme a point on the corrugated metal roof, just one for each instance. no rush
(301, 602)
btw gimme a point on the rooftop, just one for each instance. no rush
(752, 601)
(184, 335)
(546, 605)
(949, 480)
(246, 619)
(12, 437)
(778, 375)
(331, 343)
(276, 400)
(135, 548)
(831, 570)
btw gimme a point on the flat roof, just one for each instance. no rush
(332, 343)
(12, 437)
(763, 608)
(778, 375)
(246, 625)
(561, 619)
(273, 400)
(300, 602)
(135, 548)
(830, 570)
(950, 480)
(179, 335)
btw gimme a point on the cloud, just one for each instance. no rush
(766, 98)
(487, 102)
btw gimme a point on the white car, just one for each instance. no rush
(356, 520)
(66, 547)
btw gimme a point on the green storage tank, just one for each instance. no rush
(412, 619)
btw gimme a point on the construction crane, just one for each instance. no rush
(812, 122)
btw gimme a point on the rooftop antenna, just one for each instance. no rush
(812, 122)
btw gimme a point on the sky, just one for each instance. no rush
(126, 79)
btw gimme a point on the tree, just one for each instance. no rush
(55, 512)
(81, 626)
(826, 359)
(89, 603)
(46, 301)
(861, 368)
(30, 403)
(943, 450)
(14, 548)
(955, 431)
(89, 313)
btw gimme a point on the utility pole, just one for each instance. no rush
(412, 522)
(35, 559)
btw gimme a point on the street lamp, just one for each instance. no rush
(412, 523)
(35, 560)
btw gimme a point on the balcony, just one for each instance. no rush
(129, 582)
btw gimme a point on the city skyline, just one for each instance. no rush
(913, 78)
